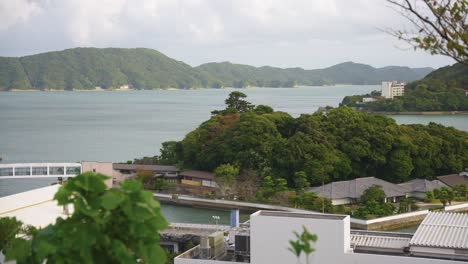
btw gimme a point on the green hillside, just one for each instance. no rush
(238, 75)
(88, 68)
(441, 90)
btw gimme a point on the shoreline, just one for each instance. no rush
(431, 113)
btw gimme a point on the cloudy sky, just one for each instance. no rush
(284, 33)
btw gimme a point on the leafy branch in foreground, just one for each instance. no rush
(303, 244)
(440, 26)
(107, 226)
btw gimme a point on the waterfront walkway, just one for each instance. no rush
(224, 204)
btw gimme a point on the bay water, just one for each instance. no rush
(121, 125)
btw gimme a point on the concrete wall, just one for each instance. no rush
(99, 167)
(457, 208)
(270, 235)
(342, 201)
(390, 222)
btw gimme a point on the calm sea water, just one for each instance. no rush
(119, 126)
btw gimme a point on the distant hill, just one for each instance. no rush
(441, 90)
(238, 75)
(88, 68)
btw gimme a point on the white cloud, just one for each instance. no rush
(307, 33)
(16, 11)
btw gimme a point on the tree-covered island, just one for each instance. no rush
(258, 154)
(442, 90)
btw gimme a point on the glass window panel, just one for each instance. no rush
(22, 171)
(73, 170)
(39, 170)
(56, 170)
(6, 171)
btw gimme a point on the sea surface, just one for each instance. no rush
(122, 125)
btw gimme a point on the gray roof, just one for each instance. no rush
(443, 230)
(453, 179)
(422, 185)
(135, 167)
(355, 188)
(376, 241)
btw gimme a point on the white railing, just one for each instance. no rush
(456, 207)
(388, 218)
(39, 170)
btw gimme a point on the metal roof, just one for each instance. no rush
(442, 230)
(355, 188)
(422, 185)
(376, 241)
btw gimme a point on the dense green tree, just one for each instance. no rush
(374, 193)
(9, 228)
(300, 181)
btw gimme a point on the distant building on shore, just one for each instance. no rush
(392, 89)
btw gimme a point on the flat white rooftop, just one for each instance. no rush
(35, 207)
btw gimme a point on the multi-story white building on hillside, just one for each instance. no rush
(392, 89)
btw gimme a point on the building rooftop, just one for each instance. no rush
(368, 240)
(454, 179)
(206, 175)
(422, 185)
(35, 207)
(355, 188)
(123, 166)
(442, 230)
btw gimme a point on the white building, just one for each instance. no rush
(392, 89)
(270, 233)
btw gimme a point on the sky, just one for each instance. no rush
(283, 33)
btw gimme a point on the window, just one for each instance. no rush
(73, 170)
(39, 171)
(6, 171)
(56, 170)
(22, 171)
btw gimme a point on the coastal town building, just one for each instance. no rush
(124, 171)
(198, 182)
(417, 188)
(349, 192)
(392, 89)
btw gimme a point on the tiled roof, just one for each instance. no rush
(443, 230)
(122, 166)
(422, 185)
(355, 188)
(198, 174)
(453, 179)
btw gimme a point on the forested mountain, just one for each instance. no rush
(339, 145)
(238, 75)
(88, 68)
(441, 90)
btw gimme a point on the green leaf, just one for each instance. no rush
(111, 199)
